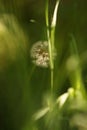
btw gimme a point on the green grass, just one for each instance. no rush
(34, 97)
(62, 110)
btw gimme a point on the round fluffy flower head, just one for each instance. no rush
(39, 53)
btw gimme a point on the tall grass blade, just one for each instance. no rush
(51, 36)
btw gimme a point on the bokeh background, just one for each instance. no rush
(22, 84)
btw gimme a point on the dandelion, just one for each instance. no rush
(40, 54)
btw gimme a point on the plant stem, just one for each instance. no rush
(52, 75)
(51, 37)
(49, 45)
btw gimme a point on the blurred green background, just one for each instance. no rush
(22, 84)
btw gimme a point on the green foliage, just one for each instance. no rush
(49, 94)
(60, 113)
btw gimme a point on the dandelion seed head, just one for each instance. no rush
(40, 54)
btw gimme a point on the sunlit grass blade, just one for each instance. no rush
(40, 113)
(54, 19)
(53, 25)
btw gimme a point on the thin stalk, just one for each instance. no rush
(49, 44)
(51, 37)
(48, 35)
